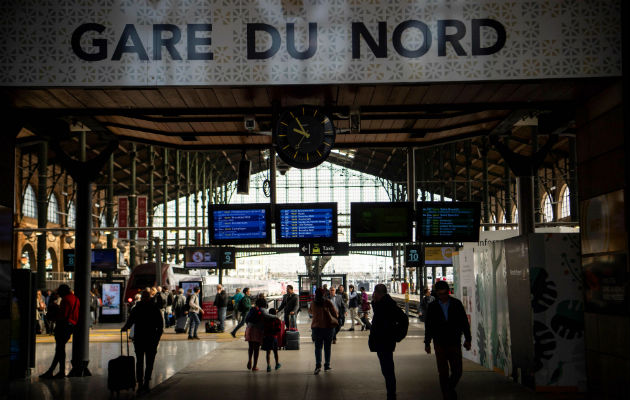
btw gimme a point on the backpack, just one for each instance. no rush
(241, 305)
(272, 326)
(402, 325)
(187, 304)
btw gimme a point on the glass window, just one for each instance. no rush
(565, 205)
(72, 215)
(547, 209)
(53, 209)
(29, 206)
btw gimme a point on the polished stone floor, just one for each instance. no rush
(214, 367)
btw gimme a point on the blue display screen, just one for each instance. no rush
(307, 223)
(240, 224)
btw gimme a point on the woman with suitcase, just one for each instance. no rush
(148, 324)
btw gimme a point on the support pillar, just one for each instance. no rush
(411, 177)
(151, 201)
(272, 179)
(537, 200)
(196, 197)
(178, 194)
(203, 198)
(454, 170)
(132, 208)
(187, 197)
(486, 185)
(42, 212)
(83, 173)
(165, 213)
(441, 173)
(467, 153)
(525, 191)
(507, 198)
(109, 211)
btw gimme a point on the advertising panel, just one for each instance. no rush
(202, 257)
(111, 298)
(438, 255)
(123, 213)
(142, 216)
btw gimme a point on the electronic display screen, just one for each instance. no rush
(448, 221)
(202, 257)
(240, 223)
(186, 285)
(102, 260)
(299, 223)
(381, 222)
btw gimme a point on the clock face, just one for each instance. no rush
(304, 136)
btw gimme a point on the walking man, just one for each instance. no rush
(235, 299)
(445, 323)
(243, 307)
(193, 314)
(220, 301)
(340, 307)
(290, 304)
(389, 325)
(354, 299)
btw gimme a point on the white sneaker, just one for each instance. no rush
(317, 370)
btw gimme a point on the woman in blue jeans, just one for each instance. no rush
(323, 328)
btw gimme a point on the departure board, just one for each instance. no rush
(448, 222)
(297, 223)
(240, 224)
(381, 222)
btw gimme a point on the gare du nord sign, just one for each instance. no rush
(221, 42)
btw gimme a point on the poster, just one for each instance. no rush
(111, 299)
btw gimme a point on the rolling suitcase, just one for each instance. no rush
(121, 371)
(292, 339)
(180, 324)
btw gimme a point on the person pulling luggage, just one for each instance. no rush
(147, 320)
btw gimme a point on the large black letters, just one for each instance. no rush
(194, 41)
(359, 30)
(252, 54)
(477, 24)
(312, 42)
(397, 39)
(101, 44)
(169, 43)
(453, 39)
(137, 47)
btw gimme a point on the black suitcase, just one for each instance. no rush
(366, 321)
(293, 340)
(121, 371)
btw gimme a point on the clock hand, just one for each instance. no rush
(302, 132)
(299, 143)
(299, 123)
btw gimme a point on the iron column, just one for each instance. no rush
(42, 212)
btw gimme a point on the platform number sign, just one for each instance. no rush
(413, 256)
(228, 258)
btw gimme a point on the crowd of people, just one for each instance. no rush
(157, 308)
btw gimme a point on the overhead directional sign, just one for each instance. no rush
(330, 249)
(413, 256)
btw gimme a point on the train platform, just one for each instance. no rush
(215, 367)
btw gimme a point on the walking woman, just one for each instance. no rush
(323, 328)
(254, 331)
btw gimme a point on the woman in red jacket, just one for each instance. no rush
(66, 319)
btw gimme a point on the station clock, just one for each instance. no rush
(304, 136)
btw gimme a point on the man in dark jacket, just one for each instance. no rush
(243, 307)
(290, 304)
(149, 325)
(389, 325)
(220, 301)
(445, 323)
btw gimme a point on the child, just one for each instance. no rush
(270, 341)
